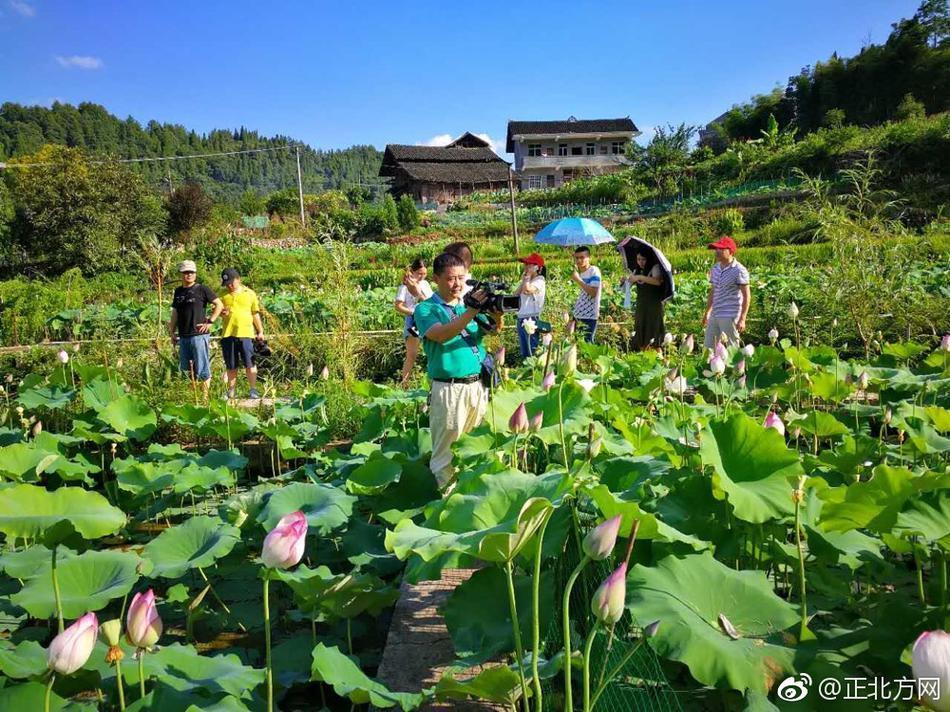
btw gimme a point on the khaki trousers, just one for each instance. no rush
(718, 326)
(454, 409)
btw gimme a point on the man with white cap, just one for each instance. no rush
(189, 327)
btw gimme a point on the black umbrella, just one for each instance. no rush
(630, 246)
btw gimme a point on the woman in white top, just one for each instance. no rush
(531, 290)
(406, 304)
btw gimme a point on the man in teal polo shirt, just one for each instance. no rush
(452, 339)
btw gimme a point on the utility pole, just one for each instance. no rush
(303, 220)
(514, 219)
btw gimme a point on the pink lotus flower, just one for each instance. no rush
(518, 422)
(500, 357)
(748, 350)
(717, 366)
(546, 338)
(600, 541)
(536, 421)
(930, 659)
(740, 367)
(143, 627)
(284, 544)
(773, 334)
(741, 382)
(548, 382)
(719, 352)
(569, 359)
(63, 357)
(70, 650)
(945, 343)
(609, 600)
(773, 421)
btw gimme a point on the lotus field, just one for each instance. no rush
(737, 517)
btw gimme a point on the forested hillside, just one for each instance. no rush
(25, 129)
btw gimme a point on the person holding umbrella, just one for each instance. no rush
(729, 295)
(647, 276)
(531, 290)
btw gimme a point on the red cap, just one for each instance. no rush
(724, 243)
(533, 259)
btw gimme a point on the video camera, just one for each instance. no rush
(493, 302)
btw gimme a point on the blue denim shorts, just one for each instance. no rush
(194, 357)
(238, 352)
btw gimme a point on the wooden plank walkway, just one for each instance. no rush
(419, 648)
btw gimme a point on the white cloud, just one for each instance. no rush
(79, 62)
(445, 139)
(22, 8)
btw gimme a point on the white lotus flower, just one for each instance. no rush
(63, 357)
(667, 338)
(676, 385)
(717, 366)
(530, 326)
(586, 383)
(931, 661)
(689, 343)
(773, 334)
(945, 343)
(547, 338)
(748, 350)
(793, 311)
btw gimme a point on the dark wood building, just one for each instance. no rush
(441, 174)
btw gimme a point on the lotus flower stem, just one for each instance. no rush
(798, 497)
(613, 673)
(56, 594)
(142, 673)
(267, 653)
(516, 629)
(560, 422)
(921, 592)
(536, 620)
(119, 684)
(587, 648)
(49, 690)
(566, 631)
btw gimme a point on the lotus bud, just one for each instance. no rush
(718, 351)
(325, 373)
(834, 323)
(600, 541)
(793, 311)
(594, 446)
(650, 630)
(888, 416)
(773, 421)
(876, 345)
(565, 317)
(863, 380)
(548, 381)
(740, 367)
(75, 348)
(930, 659)
(500, 357)
(609, 600)
(748, 350)
(63, 357)
(773, 334)
(518, 422)
(530, 326)
(284, 544)
(740, 382)
(309, 370)
(19, 411)
(536, 421)
(667, 338)
(689, 343)
(571, 327)
(546, 338)
(569, 359)
(945, 343)
(70, 650)
(143, 627)
(717, 366)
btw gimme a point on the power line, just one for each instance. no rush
(162, 158)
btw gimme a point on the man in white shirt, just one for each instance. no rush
(587, 306)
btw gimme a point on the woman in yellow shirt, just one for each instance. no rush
(242, 324)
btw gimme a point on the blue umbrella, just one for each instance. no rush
(574, 231)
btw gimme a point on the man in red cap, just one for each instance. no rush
(531, 290)
(729, 296)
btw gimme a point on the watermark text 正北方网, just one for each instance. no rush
(798, 687)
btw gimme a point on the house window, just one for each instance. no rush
(534, 149)
(535, 182)
(589, 149)
(562, 149)
(577, 150)
(550, 181)
(603, 149)
(616, 147)
(567, 177)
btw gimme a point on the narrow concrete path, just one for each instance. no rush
(419, 648)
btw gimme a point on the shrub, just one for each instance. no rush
(407, 213)
(728, 222)
(189, 207)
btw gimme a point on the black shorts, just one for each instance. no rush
(237, 352)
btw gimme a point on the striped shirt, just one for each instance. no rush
(586, 306)
(725, 281)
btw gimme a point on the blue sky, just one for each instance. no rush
(337, 74)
